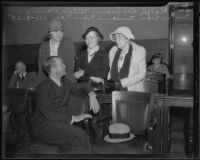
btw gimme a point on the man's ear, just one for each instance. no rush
(53, 69)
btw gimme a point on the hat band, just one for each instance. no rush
(117, 135)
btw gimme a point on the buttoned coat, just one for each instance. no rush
(97, 67)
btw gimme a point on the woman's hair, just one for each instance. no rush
(157, 55)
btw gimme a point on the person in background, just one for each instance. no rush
(57, 45)
(52, 122)
(127, 61)
(21, 78)
(158, 66)
(93, 63)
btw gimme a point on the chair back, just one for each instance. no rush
(132, 108)
(160, 79)
(150, 86)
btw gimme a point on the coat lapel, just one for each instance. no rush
(61, 46)
(47, 49)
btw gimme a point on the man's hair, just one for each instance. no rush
(20, 62)
(49, 63)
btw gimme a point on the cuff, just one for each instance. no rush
(72, 121)
(121, 83)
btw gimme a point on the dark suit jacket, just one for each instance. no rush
(98, 66)
(52, 101)
(66, 51)
(28, 82)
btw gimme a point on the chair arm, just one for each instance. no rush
(152, 135)
(88, 126)
(91, 126)
(101, 119)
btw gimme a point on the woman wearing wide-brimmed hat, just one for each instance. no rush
(57, 45)
(93, 63)
(127, 61)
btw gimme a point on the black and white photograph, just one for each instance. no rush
(100, 80)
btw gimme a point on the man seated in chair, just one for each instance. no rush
(21, 78)
(52, 122)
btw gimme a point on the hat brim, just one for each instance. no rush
(131, 36)
(117, 140)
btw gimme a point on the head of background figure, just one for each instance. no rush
(54, 65)
(20, 67)
(122, 36)
(157, 58)
(56, 30)
(92, 36)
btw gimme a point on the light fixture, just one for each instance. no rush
(184, 39)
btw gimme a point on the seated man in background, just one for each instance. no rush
(52, 122)
(21, 78)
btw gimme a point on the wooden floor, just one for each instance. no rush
(22, 150)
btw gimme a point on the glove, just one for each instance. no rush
(118, 86)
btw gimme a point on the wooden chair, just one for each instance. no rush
(158, 78)
(137, 110)
(17, 100)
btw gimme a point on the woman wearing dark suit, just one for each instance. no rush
(93, 63)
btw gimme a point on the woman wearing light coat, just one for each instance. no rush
(127, 61)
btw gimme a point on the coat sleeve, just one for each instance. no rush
(13, 81)
(166, 71)
(69, 60)
(41, 59)
(140, 75)
(50, 109)
(80, 87)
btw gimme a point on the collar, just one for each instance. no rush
(55, 80)
(125, 50)
(54, 43)
(24, 75)
(91, 51)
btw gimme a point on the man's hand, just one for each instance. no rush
(80, 117)
(94, 104)
(97, 79)
(79, 74)
(16, 72)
